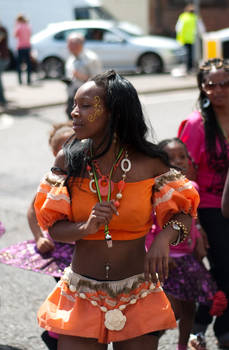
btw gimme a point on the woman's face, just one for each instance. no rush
(216, 87)
(89, 115)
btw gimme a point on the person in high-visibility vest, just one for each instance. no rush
(186, 27)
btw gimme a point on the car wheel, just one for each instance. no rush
(150, 63)
(53, 67)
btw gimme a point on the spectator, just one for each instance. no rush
(205, 134)
(186, 28)
(22, 33)
(4, 60)
(81, 65)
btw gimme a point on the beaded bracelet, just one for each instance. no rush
(178, 226)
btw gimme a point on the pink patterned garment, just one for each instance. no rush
(210, 177)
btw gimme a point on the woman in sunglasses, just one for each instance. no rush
(206, 135)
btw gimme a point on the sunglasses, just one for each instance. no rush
(210, 86)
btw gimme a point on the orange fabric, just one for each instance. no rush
(51, 204)
(172, 197)
(134, 220)
(65, 313)
(173, 193)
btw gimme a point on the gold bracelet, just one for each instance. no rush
(178, 226)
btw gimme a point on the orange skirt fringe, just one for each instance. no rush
(109, 311)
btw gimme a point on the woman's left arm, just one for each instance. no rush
(225, 197)
(175, 202)
(157, 258)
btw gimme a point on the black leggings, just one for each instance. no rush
(217, 230)
(24, 56)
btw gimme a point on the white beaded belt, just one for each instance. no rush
(81, 286)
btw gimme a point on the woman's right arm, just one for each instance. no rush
(68, 231)
(225, 197)
(43, 244)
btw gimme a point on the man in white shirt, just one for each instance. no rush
(80, 66)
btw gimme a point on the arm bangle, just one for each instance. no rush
(182, 231)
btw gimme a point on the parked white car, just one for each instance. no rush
(117, 48)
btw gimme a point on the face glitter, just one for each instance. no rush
(98, 109)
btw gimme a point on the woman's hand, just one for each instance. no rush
(100, 215)
(157, 259)
(44, 245)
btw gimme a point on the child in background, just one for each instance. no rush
(39, 255)
(43, 254)
(189, 281)
(59, 134)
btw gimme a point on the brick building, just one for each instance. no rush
(160, 16)
(163, 15)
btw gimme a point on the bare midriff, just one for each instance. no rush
(125, 259)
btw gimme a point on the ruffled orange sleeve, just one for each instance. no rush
(52, 202)
(173, 193)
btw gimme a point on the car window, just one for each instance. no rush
(103, 35)
(94, 34)
(111, 37)
(97, 12)
(82, 13)
(62, 36)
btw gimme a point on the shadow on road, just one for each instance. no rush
(9, 347)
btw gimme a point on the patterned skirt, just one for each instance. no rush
(190, 280)
(26, 256)
(109, 311)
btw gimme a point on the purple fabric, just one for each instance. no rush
(26, 256)
(190, 280)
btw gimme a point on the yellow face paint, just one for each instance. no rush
(98, 109)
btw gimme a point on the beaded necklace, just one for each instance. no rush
(121, 185)
(103, 181)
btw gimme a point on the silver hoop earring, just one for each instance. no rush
(206, 102)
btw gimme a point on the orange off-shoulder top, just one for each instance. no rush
(167, 194)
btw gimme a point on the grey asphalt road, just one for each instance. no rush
(25, 157)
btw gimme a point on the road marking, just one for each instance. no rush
(5, 121)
